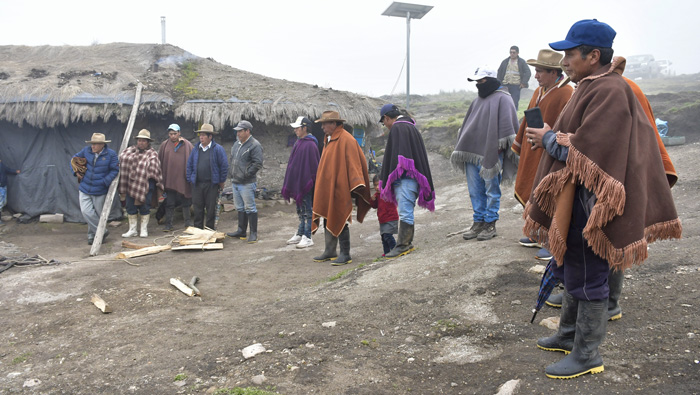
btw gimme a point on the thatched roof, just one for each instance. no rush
(48, 86)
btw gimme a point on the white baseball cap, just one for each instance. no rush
(301, 121)
(482, 72)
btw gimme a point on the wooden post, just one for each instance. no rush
(97, 243)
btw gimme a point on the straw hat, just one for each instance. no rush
(330, 116)
(98, 138)
(206, 128)
(547, 59)
(144, 134)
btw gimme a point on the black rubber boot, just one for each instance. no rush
(615, 278)
(554, 300)
(473, 231)
(168, 220)
(242, 226)
(186, 216)
(253, 222)
(331, 244)
(563, 340)
(344, 241)
(590, 331)
(404, 244)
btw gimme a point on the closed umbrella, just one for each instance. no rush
(549, 281)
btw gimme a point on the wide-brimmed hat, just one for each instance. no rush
(98, 138)
(144, 134)
(330, 116)
(547, 59)
(206, 128)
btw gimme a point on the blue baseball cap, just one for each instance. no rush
(385, 109)
(174, 127)
(586, 32)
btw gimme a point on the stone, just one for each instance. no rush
(516, 303)
(509, 388)
(31, 383)
(51, 218)
(259, 379)
(252, 350)
(329, 324)
(538, 269)
(12, 375)
(551, 323)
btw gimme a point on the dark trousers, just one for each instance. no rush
(514, 91)
(174, 199)
(584, 273)
(204, 196)
(388, 242)
(145, 208)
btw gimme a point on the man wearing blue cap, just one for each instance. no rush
(600, 196)
(173, 154)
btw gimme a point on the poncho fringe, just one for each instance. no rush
(406, 166)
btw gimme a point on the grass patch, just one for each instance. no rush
(445, 325)
(180, 377)
(246, 391)
(189, 73)
(21, 358)
(344, 272)
(686, 106)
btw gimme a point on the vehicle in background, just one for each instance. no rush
(665, 68)
(644, 66)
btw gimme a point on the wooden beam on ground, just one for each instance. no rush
(177, 283)
(194, 247)
(134, 246)
(220, 236)
(97, 243)
(142, 252)
(100, 303)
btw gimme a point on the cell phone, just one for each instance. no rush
(533, 117)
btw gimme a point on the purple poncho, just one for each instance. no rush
(301, 169)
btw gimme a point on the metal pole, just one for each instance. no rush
(162, 28)
(408, 60)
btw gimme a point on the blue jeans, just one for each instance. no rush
(91, 208)
(388, 242)
(3, 197)
(244, 197)
(514, 91)
(484, 194)
(406, 192)
(304, 211)
(145, 208)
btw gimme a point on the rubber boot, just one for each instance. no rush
(474, 230)
(488, 232)
(404, 244)
(144, 225)
(329, 252)
(253, 222)
(344, 241)
(615, 278)
(563, 340)
(133, 222)
(242, 226)
(168, 220)
(554, 300)
(590, 331)
(186, 216)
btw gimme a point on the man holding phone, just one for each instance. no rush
(550, 99)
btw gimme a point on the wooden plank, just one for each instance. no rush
(199, 240)
(97, 243)
(134, 246)
(142, 252)
(100, 303)
(209, 246)
(181, 286)
(220, 236)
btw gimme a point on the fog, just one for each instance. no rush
(349, 45)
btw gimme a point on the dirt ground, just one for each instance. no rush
(452, 317)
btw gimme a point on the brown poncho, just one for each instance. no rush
(174, 165)
(612, 152)
(550, 103)
(342, 175)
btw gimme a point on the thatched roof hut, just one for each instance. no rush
(53, 98)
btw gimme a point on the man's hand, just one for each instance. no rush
(534, 136)
(522, 86)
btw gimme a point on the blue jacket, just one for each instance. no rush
(4, 171)
(101, 174)
(219, 164)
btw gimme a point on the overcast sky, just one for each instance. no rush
(349, 45)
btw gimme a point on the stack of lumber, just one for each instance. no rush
(199, 239)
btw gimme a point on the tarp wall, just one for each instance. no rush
(46, 184)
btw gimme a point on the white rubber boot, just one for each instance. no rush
(133, 221)
(144, 225)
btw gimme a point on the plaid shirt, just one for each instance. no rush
(136, 169)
